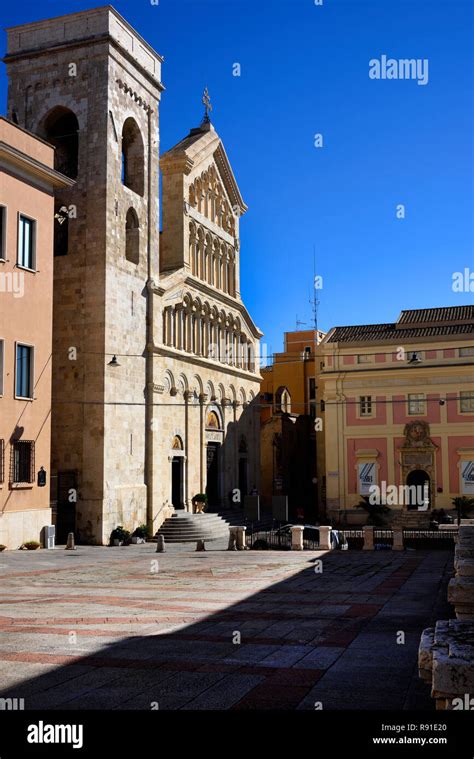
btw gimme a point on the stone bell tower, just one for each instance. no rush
(91, 86)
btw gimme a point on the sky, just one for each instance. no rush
(385, 204)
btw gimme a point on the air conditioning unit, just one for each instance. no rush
(49, 536)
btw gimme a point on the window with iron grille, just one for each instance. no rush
(22, 461)
(2, 461)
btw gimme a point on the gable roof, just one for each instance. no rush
(198, 146)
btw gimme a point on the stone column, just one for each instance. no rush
(325, 538)
(208, 337)
(202, 441)
(189, 329)
(398, 544)
(232, 539)
(241, 544)
(186, 396)
(169, 329)
(179, 324)
(297, 537)
(368, 530)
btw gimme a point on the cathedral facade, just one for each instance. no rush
(155, 358)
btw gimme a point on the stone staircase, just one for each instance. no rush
(183, 527)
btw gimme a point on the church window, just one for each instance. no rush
(132, 237)
(132, 157)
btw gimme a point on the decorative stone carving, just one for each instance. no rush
(417, 434)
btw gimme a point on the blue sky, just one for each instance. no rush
(304, 70)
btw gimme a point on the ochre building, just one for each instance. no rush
(290, 431)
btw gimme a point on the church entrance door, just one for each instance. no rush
(177, 482)
(212, 484)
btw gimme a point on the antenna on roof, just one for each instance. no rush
(314, 300)
(299, 322)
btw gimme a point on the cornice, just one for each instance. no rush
(33, 167)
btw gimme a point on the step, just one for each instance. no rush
(189, 528)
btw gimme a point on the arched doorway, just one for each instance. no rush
(177, 473)
(418, 490)
(213, 457)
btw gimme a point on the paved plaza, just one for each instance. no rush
(127, 628)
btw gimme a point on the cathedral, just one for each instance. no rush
(155, 358)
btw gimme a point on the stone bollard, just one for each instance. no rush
(232, 539)
(160, 544)
(325, 538)
(70, 545)
(368, 531)
(241, 544)
(297, 537)
(200, 545)
(398, 544)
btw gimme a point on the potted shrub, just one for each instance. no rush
(140, 534)
(464, 505)
(120, 536)
(377, 512)
(31, 545)
(199, 502)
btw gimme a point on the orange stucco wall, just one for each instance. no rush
(26, 317)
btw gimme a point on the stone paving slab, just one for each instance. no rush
(126, 628)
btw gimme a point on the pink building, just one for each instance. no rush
(399, 411)
(28, 180)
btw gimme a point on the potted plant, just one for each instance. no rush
(464, 506)
(31, 545)
(120, 536)
(140, 534)
(377, 512)
(199, 502)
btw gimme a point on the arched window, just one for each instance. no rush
(61, 129)
(132, 157)
(177, 444)
(212, 421)
(283, 400)
(132, 237)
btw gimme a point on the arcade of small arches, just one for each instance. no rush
(215, 396)
(212, 260)
(202, 330)
(207, 196)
